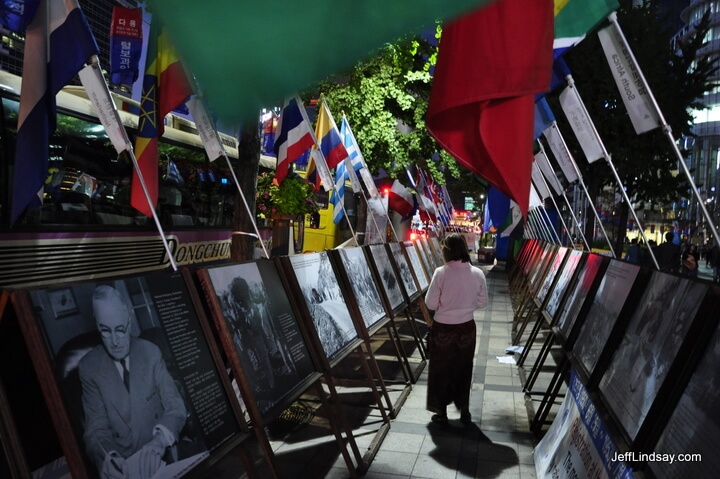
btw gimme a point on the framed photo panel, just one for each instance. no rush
(609, 304)
(128, 355)
(404, 270)
(580, 294)
(321, 294)
(642, 360)
(553, 270)
(417, 265)
(561, 286)
(260, 332)
(694, 421)
(355, 268)
(389, 282)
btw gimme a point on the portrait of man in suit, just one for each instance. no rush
(133, 411)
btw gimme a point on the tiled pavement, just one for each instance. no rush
(497, 445)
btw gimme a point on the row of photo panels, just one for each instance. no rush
(213, 368)
(643, 346)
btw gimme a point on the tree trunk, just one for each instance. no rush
(242, 247)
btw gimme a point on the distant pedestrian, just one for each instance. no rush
(633, 252)
(668, 254)
(690, 261)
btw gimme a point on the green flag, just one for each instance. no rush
(250, 55)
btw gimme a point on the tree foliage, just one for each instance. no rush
(645, 163)
(385, 99)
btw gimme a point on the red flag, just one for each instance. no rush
(490, 65)
(165, 86)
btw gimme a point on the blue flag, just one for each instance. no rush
(16, 15)
(71, 43)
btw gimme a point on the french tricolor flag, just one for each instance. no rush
(294, 137)
(61, 26)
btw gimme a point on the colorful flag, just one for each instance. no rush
(295, 136)
(338, 195)
(490, 65)
(269, 126)
(173, 174)
(543, 117)
(165, 86)
(354, 155)
(581, 124)
(126, 42)
(574, 18)
(627, 75)
(401, 199)
(71, 43)
(328, 136)
(16, 15)
(289, 58)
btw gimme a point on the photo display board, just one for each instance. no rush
(325, 302)
(694, 424)
(558, 292)
(404, 271)
(150, 324)
(580, 289)
(390, 283)
(555, 266)
(363, 287)
(539, 270)
(606, 307)
(526, 260)
(416, 264)
(437, 248)
(429, 253)
(422, 253)
(643, 358)
(259, 328)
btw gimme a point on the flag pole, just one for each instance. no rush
(208, 132)
(582, 183)
(550, 226)
(666, 129)
(608, 158)
(95, 85)
(582, 235)
(543, 228)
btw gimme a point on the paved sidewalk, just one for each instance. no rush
(497, 445)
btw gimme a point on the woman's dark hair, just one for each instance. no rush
(455, 248)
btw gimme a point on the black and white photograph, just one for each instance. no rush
(362, 285)
(388, 279)
(580, 288)
(416, 264)
(324, 300)
(437, 248)
(265, 332)
(654, 335)
(136, 375)
(553, 271)
(404, 270)
(538, 272)
(604, 313)
(558, 292)
(425, 256)
(429, 253)
(694, 424)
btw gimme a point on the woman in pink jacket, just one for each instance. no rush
(456, 290)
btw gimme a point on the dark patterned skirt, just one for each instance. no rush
(452, 350)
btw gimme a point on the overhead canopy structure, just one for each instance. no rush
(248, 55)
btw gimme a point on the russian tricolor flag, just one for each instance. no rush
(61, 26)
(294, 137)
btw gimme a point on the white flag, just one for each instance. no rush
(206, 129)
(535, 201)
(542, 161)
(561, 153)
(537, 179)
(369, 182)
(627, 78)
(99, 95)
(581, 124)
